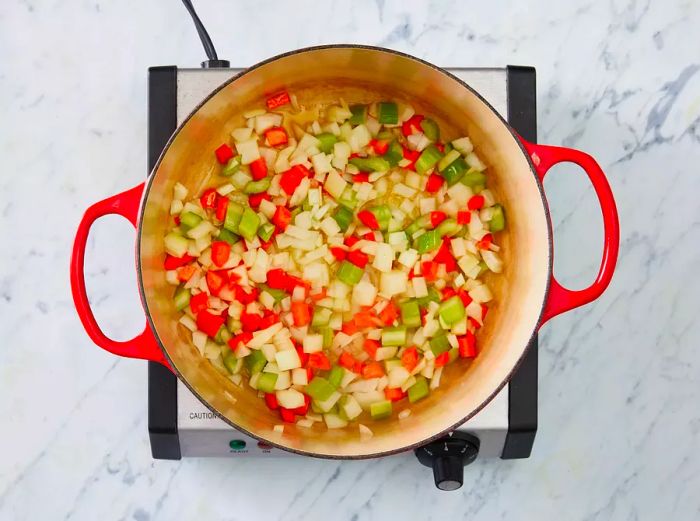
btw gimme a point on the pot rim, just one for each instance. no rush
(442, 432)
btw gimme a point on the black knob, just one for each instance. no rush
(448, 456)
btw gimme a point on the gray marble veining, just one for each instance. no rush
(619, 434)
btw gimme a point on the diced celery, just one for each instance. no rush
(175, 244)
(370, 164)
(255, 361)
(227, 236)
(430, 129)
(181, 298)
(320, 389)
(277, 294)
(328, 334)
(383, 215)
(240, 179)
(410, 313)
(266, 382)
(448, 159)
(233, 217)
(248, 226)
(427, 242)
(455, 170)
(266, 231)
(257, 187)
(387, 113)
(222, 336)
(428, 159)
(189, 220)
(448, 227)
(359, 114)
(343, 217)
(419, 224)
(439, 344)
(452, 310)
(380, 410)
(233, 165)
(349, 273)
(230, 360)
(336, 376)
(394, 153)
(498, 219)
(348, 198)
(418, 390)
(326, 142)
(453, 354)
(433, 296)
(394, 336)
(321, 316)
(473, 178)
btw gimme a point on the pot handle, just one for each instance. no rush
(142, 346)
(561, 299)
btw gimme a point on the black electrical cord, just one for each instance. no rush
(213, 60)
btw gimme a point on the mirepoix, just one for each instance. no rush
(335, 264)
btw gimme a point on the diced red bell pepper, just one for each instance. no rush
(389, 314)
(442, 359)
(215, 281)
(338, 253)
(172, 263)
(199, 302)
(319, 361)
(467, 345)
(394, 394)
(241, 338)
(358, 368)
(292, 178)
(258, 169)
(466, 299)
(208, 199)
(304, 357)
(271, 401)
(484, 310)
(282, 218)
(473, 322)
(440, 147)
(346, 360)
(434, 183)
(221, 206)
(358, 258)
(409, 358)
(369, 236)
(184, 273)
(412, 125)
(362, 177)
(303, 409)
(277, 100)
(476, 202)
(379, 147)
(224, 153)
(220, 252)
(278, 279)
(444, 256)
(412, 156)
(370, 346)
(463, 217)
(350, 241)
(368, 219)
(287, 415)
(429, 270)
(485, 242)
(318, 296)
(209, 323)
(373, 370)
(176, 219)
(250, 322)
(436, 218)
(349, 328)
(244, 297)
(276, 136)
(447, 293)
(301, 313)
(254, 200)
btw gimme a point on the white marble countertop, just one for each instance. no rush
(619, 427)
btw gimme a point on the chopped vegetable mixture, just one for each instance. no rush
(335, 266)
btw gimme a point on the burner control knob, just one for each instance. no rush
(448, 456)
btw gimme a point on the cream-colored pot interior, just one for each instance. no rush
(359, 75)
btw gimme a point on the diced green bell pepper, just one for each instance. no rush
(266, 382)
(387, 113)
(427, 242)
(181, 298)
(257, 187)
(349, 273)
(428, 159)
(248, 227)
(430, 129)
(370, 164)
(380, 410)
(255, 361)
(320, 389)
(343, 217)
(498, 220)
(326, 141)
(410, 313)
(189, 220)
(439, 344)
(418, 390)
(233, 165)
(393, 336)
(359, 114)
(452, 310)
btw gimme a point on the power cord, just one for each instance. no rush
(213, 59)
